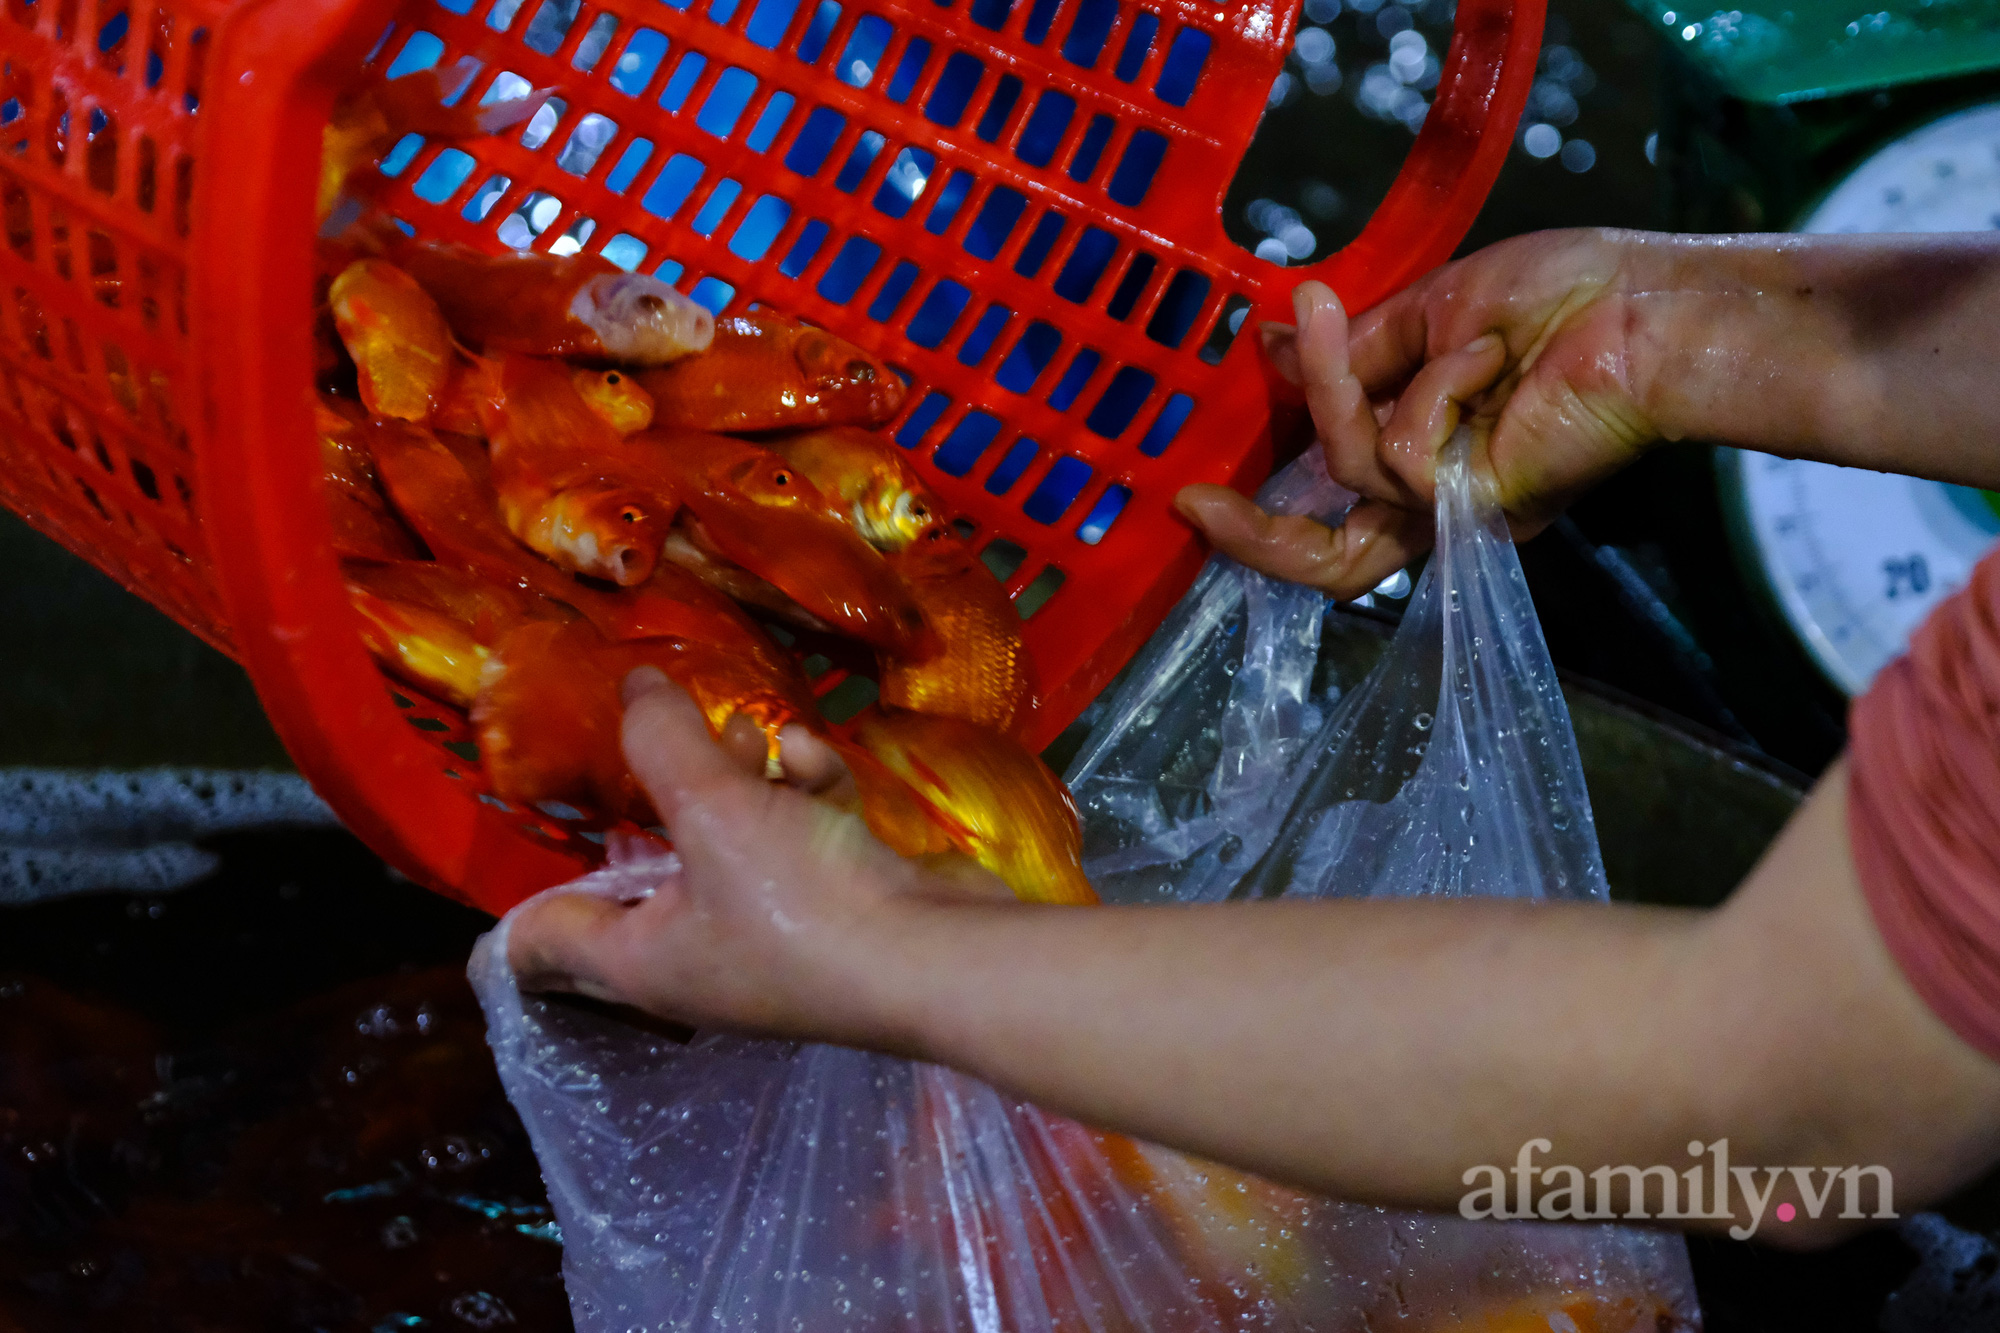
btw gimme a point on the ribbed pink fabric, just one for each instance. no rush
(1923, 812)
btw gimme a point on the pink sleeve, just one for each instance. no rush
(1923, 813)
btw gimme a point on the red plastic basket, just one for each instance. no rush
(1060, 293)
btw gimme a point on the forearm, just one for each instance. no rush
(1376, 1050)
(1353, 1047)
(1871, 351)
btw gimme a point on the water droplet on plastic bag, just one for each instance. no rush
(1422, 721)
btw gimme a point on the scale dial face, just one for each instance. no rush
(1855, 560)
(1944, 176)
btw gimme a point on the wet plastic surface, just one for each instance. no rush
(1224, 768)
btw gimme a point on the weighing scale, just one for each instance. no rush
(1854, 560)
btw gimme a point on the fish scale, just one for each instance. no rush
(193, 186)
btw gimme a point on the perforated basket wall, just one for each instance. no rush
(1017, 204)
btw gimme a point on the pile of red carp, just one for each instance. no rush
(545, 472)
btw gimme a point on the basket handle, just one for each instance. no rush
(1482, 89)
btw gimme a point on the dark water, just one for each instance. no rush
(264, 1103)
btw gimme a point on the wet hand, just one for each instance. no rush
(786, 908)
(1540, 342)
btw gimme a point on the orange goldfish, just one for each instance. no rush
(367, 124)
(433, 625)
(397, 337)
(362, 523)
(687, 548)
(904, 822)
(755, 510)
(451, 508)
(548, 723)
(477, 392)
(869, 479)
(441, 489)
(1074, 1174)
(469, 392)
(601, 528)
(999, 804)
(671, 603)
(616, 397)
(1238, 1230)
(487, 609)
(543, 405)
(567, 486)
(548, 717)
(579, 306)
(767, 373)
(729, 680)
(976, 666)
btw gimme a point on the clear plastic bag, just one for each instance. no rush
(1451, 769)
(717, 1183)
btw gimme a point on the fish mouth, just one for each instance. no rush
(621, 562)
(830, 364)
(631, 564)
(628, 563)
(642, 320)
(894, 526)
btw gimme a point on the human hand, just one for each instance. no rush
(786, 911)
(1544, 340)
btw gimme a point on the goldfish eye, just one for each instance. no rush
(631, 514)
(862, 371)
(782, 477)
(919, 510)
(613, 378)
